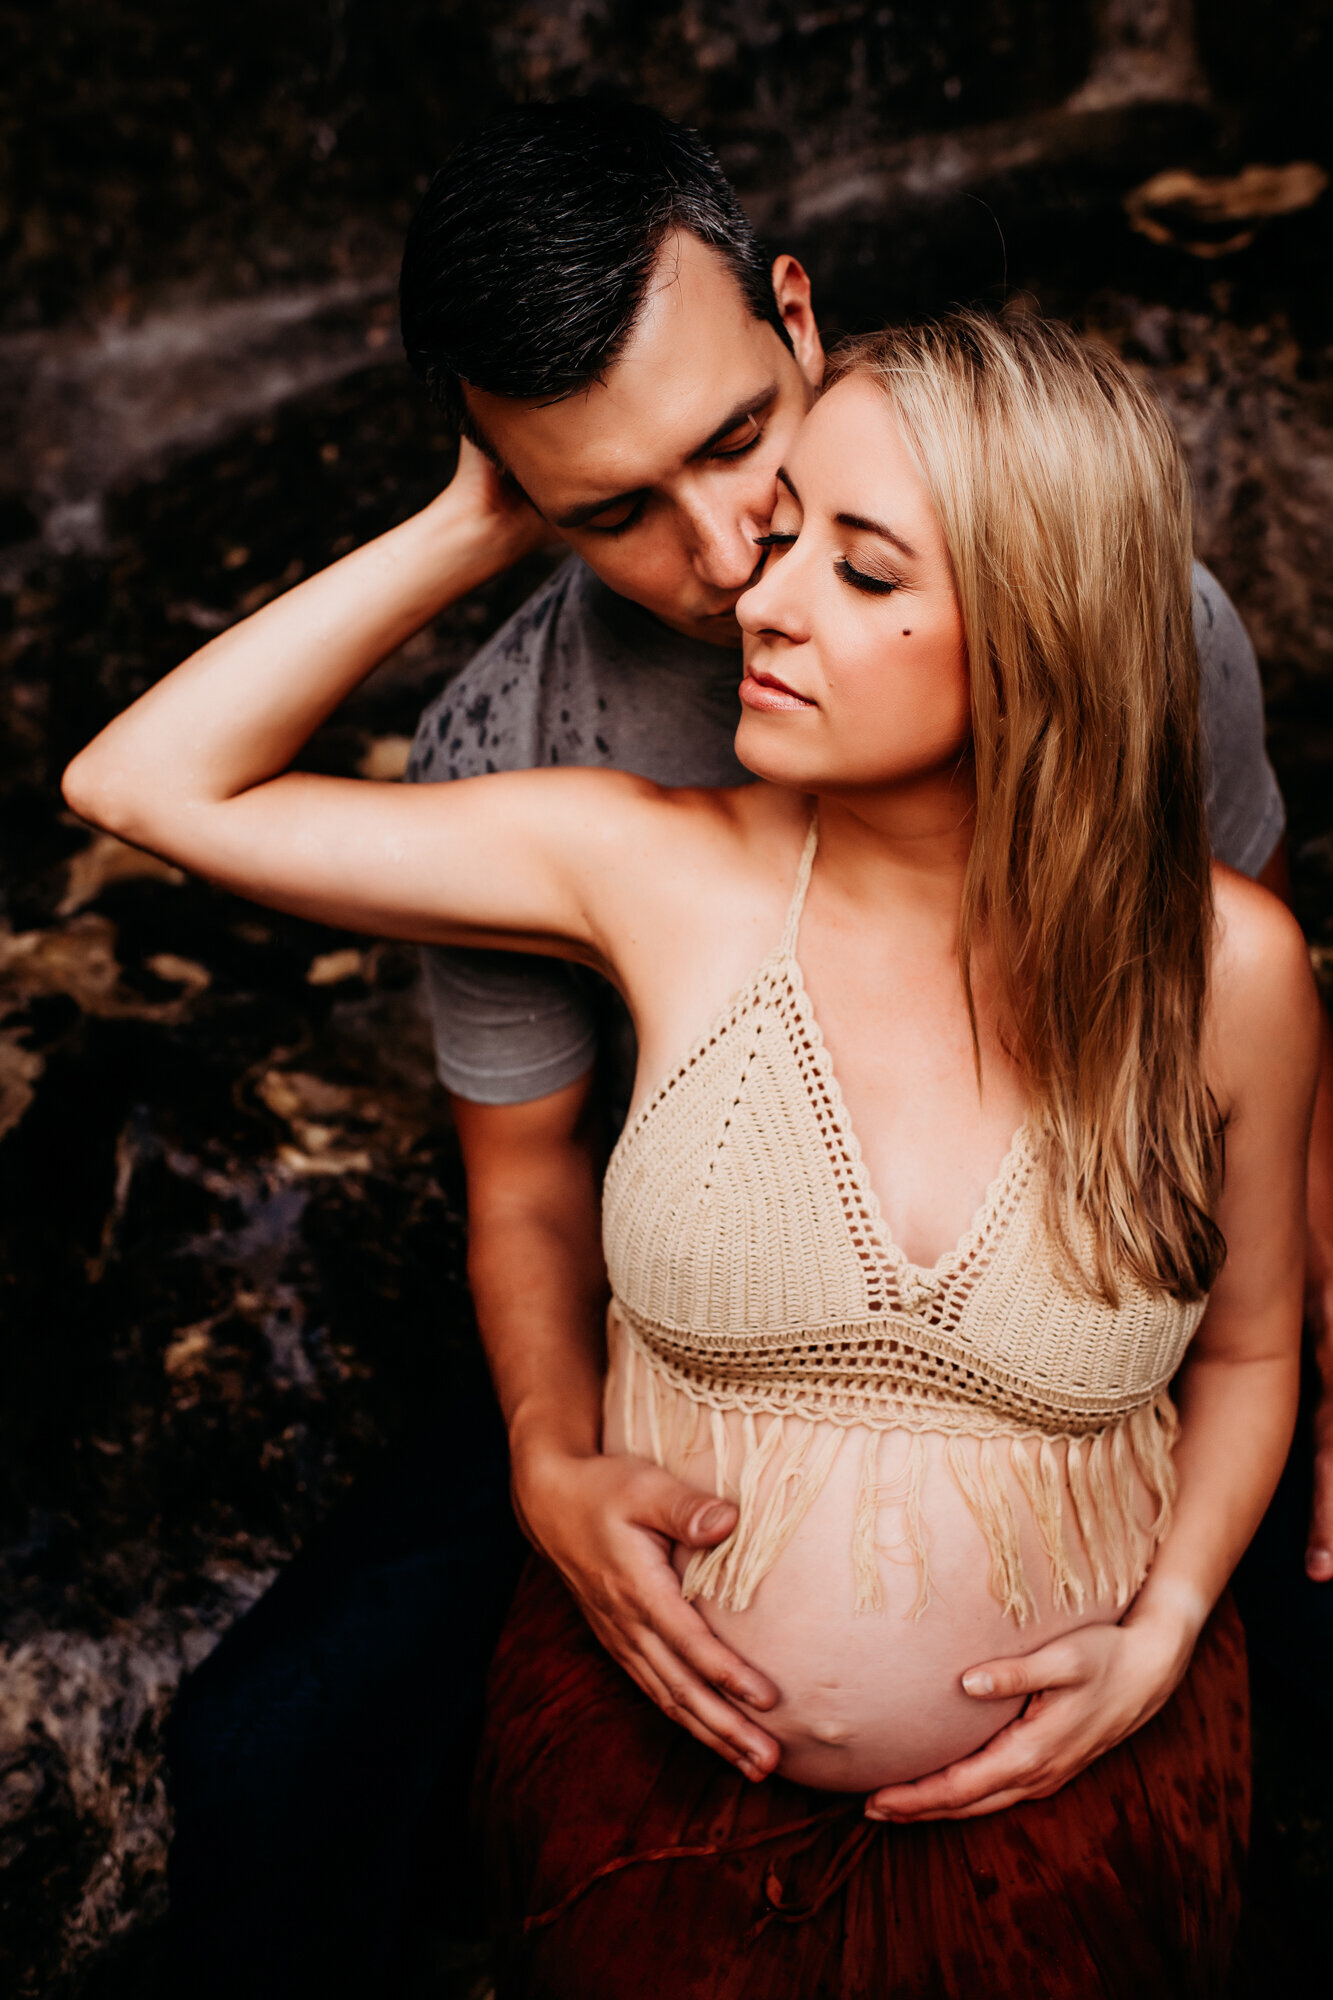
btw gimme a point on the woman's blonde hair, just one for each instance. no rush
(1064, 503)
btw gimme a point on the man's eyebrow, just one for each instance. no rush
(876, 528)
(578, 517)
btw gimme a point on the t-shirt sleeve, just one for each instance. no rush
(1246, 816)
(508, 1027)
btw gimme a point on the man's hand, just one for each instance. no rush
(609, 1524)
(1087, 1692)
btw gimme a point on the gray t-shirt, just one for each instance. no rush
(581, 676)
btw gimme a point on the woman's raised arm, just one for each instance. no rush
(197, 771)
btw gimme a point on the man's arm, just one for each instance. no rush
(1318, 1268)
(608, 1524)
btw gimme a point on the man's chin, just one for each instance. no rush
(717, 628)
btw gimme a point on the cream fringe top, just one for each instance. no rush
(751, 1272)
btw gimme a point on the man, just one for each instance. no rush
(582, 292)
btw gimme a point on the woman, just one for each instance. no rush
(920, 1207)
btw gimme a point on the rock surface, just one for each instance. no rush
(231, 1229)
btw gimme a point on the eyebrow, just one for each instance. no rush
(578, 517)
(876, 528)
(860, 521)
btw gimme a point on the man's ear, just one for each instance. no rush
(791, 289)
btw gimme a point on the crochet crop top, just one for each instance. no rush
(752, 1273)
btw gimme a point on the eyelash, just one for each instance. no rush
(741, 450)
(631, 520)
(874, 586)
(636, 514)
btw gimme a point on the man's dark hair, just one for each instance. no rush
(527, 261)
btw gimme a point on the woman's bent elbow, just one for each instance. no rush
(89, 790)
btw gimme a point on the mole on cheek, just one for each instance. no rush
(907, 631)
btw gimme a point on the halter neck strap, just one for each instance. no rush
(797, 904)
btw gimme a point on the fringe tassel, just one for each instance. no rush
(721, 1452)
(865, 1550)
(993, 1514)
(1044, 1488)
(629, 1361)
(916, 1538)
(652, 1393)
(706, 1569)
(1123, 1471)
(734, 1570)
(782, 1471)
(1085, 1514)
(905, 1492)
(678, 1429)
(1153, 1431)
(1108, 1515)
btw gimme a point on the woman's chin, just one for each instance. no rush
(766, 745)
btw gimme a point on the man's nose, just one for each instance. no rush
(725, 556)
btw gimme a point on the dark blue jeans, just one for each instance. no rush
(320, 1757)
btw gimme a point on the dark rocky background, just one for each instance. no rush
(231, 1228)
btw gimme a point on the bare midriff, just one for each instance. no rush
(874, 1697)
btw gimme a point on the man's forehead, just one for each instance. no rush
(696, 356)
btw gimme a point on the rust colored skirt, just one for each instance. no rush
(626, 1862)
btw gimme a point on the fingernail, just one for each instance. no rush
(1318, 1562)
(712, 1519)
(978, 1683)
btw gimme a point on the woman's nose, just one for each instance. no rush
(773, 601)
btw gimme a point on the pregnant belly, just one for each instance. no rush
(873, 1697)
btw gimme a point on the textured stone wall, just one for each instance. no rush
(230, 1210)
(220, 149)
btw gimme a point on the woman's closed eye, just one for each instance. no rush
(874, 586)
(881, 585)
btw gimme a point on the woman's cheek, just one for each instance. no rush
(902, 713)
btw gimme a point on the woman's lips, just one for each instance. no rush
(766, 691)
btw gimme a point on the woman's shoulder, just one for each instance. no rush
(1264, 1008)
(669, 852)
(738, 823)
(1257, 941)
